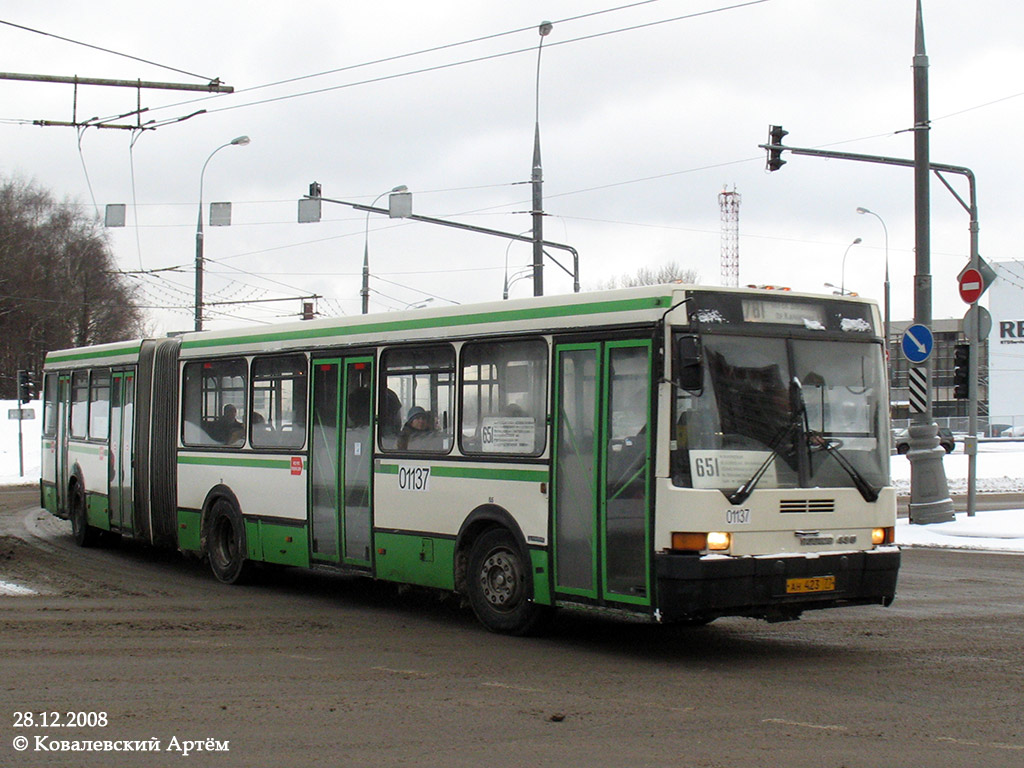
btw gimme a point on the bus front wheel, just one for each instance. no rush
(225, 543)
(499, 586)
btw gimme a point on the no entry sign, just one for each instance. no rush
(971, 285)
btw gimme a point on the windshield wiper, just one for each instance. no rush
(868, 491)
(742, 493)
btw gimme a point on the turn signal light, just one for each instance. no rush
(698, 542)
(689, 542)
(880, 536)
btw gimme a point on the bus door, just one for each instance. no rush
(341, 452)
(602, 471)
(62, 474)
(120, 460)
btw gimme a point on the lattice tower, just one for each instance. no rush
(729, 204)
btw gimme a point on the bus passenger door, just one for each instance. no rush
(341, 450)
(602, 471)
(61, 447)
(122, 425)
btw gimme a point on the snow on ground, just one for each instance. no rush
(1000, 470)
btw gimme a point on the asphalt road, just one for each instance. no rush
(306, 669)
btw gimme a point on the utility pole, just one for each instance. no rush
(537, 179)
(929, 492)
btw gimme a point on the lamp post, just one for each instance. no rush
(887, 317)
(365, 290)
(839, 291)
(239, 141)
(842, 282)
(537, 179)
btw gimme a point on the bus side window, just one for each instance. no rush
(214, 402)
(50, 405)
(278, 418)
(504, 390)
(99, 405)
(417, 399)
(80, 404)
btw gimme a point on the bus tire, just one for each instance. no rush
(84, 534)
(500, 588)
(225, 543)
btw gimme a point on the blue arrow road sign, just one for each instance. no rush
(917, 343)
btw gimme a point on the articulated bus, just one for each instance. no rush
(674, 453)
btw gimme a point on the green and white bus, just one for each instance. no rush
(674, 452)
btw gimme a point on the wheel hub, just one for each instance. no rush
(499, 579)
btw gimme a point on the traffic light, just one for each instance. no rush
(775, 135)
(26, 387)
(961, 371)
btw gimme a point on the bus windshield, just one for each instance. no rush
(788, 398)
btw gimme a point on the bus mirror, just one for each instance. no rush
(688, 374)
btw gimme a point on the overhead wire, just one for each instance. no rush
(105, 50)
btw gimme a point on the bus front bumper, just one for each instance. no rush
(699, 588)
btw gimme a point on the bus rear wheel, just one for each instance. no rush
(225, 543)
(500, 588)
(84, 534)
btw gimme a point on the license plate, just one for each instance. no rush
(814, 584)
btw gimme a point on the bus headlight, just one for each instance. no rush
(715, 541)
(718, 541)
(880, 536)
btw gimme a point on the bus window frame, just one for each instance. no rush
(542, 395)
(93, 375)
(49, 428)
(75, 376)
(201, 425)
(446, 432)
(299, 412)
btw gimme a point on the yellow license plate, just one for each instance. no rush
(815, 584)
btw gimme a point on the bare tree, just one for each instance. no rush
(670, 272)
(59, 286)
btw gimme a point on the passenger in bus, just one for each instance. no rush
(230, 429)
(389, 420)
(359, 408)
(419, 432)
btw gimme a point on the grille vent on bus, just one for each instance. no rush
(807, 505)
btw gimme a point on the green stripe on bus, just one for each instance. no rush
(533, 313)
(236, 461)
(64, 357)
(94, 450)
(476, 473)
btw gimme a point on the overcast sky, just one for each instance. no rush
(640, 129)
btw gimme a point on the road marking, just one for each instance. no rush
(15, 590)
(302, 658)
(780, 721)
(990, 745)
(514, 687)
(408, 672)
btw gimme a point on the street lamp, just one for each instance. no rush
(365, 291)
(839, 291)
(885, 229)
(239, 141)
(537, 179)
(842, 282)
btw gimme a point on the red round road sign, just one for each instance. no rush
(971, 285)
